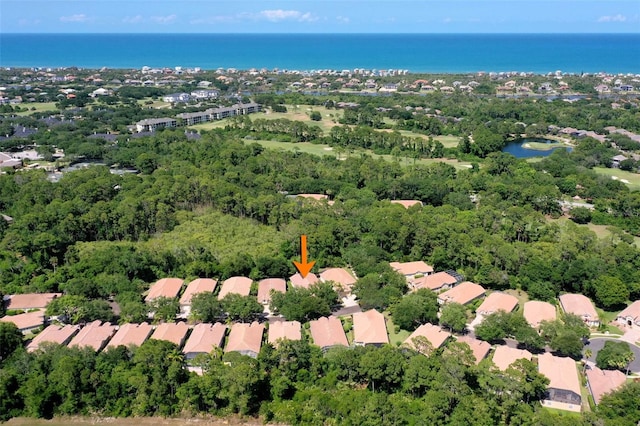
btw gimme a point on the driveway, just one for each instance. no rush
(597, 343)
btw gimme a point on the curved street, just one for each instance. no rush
(597, 343)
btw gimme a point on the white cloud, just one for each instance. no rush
(343, 19)
(133, 19)
(279, 15)
(613, 18)
(80, 17)
(164, 19)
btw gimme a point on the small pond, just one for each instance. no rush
(518, 149)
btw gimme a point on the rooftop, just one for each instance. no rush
(578, 304)
(95, 335)
(463, 293)
(171, 332)
(245, 338)
(536, 311)
(602, 382)
(479, 348)
(166, 287)
(369, 328)
(497, 301)
(412, 268)
(199, 285)
(339, 276)
(30, 300)
(298, 281)
(238, 285)
(435, 281)
(327, 332)
(27, 320)
(432, 333)
(205, 337)
(504, 356)
(130, 334)
(53, 334)
(265, 286)
(407, 203)
(290, 330)
(561, 372)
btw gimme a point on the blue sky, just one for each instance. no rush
(320, 16)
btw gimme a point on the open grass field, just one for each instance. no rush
(36, 107)
(632, 180)
(522, 297)
(542, 146)
(601, 231)
(330, 117)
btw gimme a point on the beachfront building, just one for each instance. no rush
(284, 330)
(203, 339)
(369, 328)
(563, 391)
(581, 306)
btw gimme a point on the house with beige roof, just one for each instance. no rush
(199, 285)
(27, 301)
(602, 382)
(463, 293)
(504, 356)
(296, 280)
(429, 332)
(581, 306)
(281, 330)
(369, 328)
(343, 280)
(479, 348)
(204, 338)
(630, 316)
(26, 322)
(171, 332)
(95, 335)
(130, 335)
(327, 333)
(497, 301)
(563, 391)
(536, 311)
(407, 203)
(266, 286)
(411, 269)
(54, 333)
(165, 287)
(237, 285)
(245, 339)
(435, 282)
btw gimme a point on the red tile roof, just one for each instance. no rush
(245, 338)
(328, 332)
(265, 286)
(204, 338)
(631, 313)
(290, 330)
(536, 311)
(30, 300)
(579, 305)
(298, 281)
(407, 203)
(171, 332)
(602, 382)
(199, 285)
(412, 268)
(54, 334)
(561, 372)
(434, 281)
(26, 321)
(238, 285)
(497, 301)
(166, 287)
(479, 348)
(339, 276)
(434, 335)
(463, 293)
(369, 328)
(504, 356)
(130, 335)
(95, 335)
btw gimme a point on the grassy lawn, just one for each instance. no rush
(39, 107)
(395, 338)
(601, 231)
(632, 180)
(522, 297)
(542, 146)
(563, 413)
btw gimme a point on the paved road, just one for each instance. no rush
(597, 343)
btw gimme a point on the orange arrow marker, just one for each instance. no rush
(303, 266)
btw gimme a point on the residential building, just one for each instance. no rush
(130, 335)
(602, 382)
(245, 339)
(54, 333)
(281, 330)
(165, 287)
(29, 300)
(177, 97)
(563, 391)
(94, 335)
(237, 285)
(266, 286)
(535, 312)
(192, 118)
(411, 269)
(463, 293)
(203, 339)
(407, 203)
(171, 332)
(369, 328)
(434, 335)
(328, 332)
(479, 348)
(504, 356)
(497, 301)
(435, 282)
(630, 316)
(204, 94)
(199, 285)
(581, 306)
(153, 124)
(297, 280)
(343, 280)
(26, 322)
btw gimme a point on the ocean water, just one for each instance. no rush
(450, 53)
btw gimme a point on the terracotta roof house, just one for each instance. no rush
(317, 197)
(53, 334)
(432, 333)
(327, 333)
(411, 269)
(581, 306)
(130, 335)
(463, 293)
(435, 282)
(26, 322)
(290, 330)
(204, 338)
(297, 280)
(95, 335)
(238, 285)
(630, 316)
(199, 285)
(536, 311)
(245, 338)
(369, 328)
(407, 203)
(29, 300)
(504, 356)
(340, 276)
(171, 332)
(497, 301)
(563, 391)
(602, 382)
(166, 287)
(480, 348)
(267, 285)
